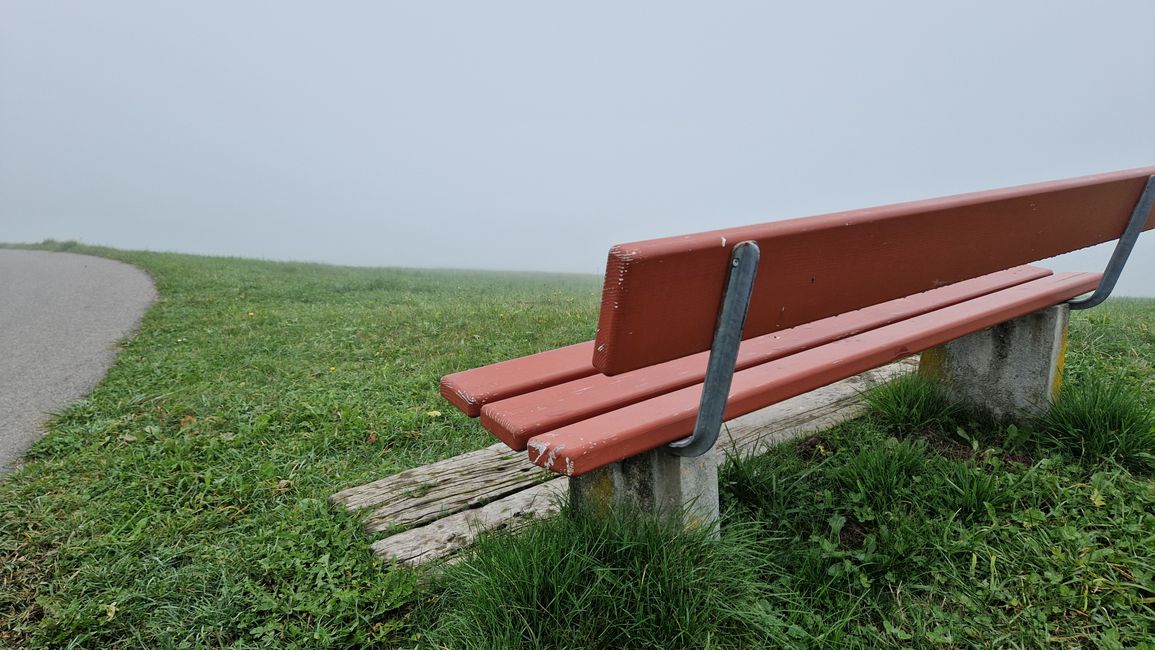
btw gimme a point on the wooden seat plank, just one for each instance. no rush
(469, 390)
(661, 296)
(517, 419)
(578, 448)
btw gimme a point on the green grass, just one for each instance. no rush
(887, 536)
(910, 404)
(1102, 421)
(182, 504)
(629, 582)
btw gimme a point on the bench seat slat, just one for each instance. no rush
(581, 447)
(517, 419)
(469, 390)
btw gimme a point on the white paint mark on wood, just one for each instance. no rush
(552, 456)
(539, 447)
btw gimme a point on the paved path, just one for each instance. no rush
(61, 316)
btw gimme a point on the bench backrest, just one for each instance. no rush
(661, 296)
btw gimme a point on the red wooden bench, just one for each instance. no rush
(834, 295)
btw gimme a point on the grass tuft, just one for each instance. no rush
(974, 491)
(623, 582)
(771, 487)
(911, 404)
(879, 475)
(1100, 420)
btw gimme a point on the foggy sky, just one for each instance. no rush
(534, 136)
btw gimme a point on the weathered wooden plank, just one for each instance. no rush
(448, 536)
(423, 494)
(819, 409)
(661, 296)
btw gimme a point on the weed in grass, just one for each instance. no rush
(771, 487)
(879, 476)
(911, 404)
(861, 558)
(1101, 420)
(971, 491)
(815, 448)
(626, 581)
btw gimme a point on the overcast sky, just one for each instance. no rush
(534, 136)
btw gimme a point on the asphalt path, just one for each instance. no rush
(61, 317)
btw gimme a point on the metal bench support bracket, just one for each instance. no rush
(1122, 249)
(723, 352)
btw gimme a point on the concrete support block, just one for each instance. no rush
(1013, 370)
(678, 489)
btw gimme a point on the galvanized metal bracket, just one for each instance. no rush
(1122, 249)
(723, 351)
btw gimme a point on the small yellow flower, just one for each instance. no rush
(433, 414)
(332, 368)
(252, 313)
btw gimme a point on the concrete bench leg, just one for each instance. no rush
(656, 482)
(1013, 370)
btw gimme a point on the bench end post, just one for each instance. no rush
(682, 490)
(1013, 370)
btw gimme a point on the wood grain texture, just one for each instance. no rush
(517, 419)
(424, 494)
(640, 427)
(449, 536)
(661, 297)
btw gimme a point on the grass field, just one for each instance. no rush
(182, 504)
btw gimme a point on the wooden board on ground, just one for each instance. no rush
(425, 494)
(435, 511)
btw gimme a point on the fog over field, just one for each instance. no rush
(533, 136)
